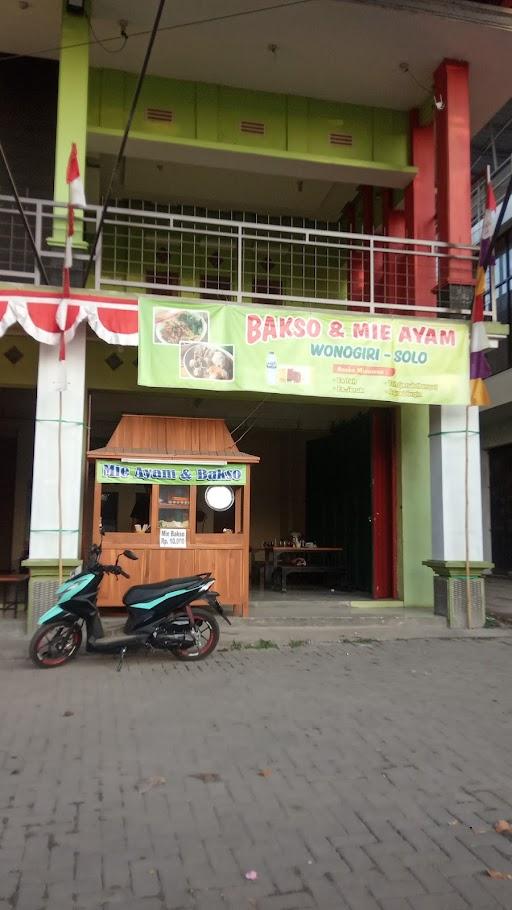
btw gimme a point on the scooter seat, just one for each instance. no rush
(142, 593)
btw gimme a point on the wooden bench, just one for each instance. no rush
(14, 591)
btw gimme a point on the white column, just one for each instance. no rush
(447, 484)
(44, 523)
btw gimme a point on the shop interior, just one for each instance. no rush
(311, 500)
(17, 416)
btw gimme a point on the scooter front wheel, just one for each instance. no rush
(54, 644)
(209, 633)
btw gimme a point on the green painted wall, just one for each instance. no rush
(119, 375)
(15, 371)
(210, 115)
(415, 536)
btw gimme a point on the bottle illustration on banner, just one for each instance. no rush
(271, 368)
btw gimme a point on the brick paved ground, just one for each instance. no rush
(388, 766)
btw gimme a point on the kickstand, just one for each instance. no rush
(121, 659)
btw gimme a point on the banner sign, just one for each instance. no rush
(194, 475)
(273, 350)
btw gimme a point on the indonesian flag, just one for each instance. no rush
(479, 368)
(76, 199)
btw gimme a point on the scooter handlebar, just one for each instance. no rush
(114, 570)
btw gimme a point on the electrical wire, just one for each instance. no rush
(167, 28)
(406, 69)
(100, 41)
(248, 430)
(254, 410)
(418, 83)
(124, 140)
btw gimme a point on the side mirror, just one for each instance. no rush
(130, 554)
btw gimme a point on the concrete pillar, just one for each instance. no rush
(448, 503)
(453, 175)
(447, 458)
(43, 560)
(71, 117)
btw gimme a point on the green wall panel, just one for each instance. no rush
(207, 112)
(390, 136)
(213, 114)
(167, 94)
(327, 117)
(112, 101)
(236, 105)
(23, 372)
(297, 117)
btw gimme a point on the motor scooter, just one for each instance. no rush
(162, 615)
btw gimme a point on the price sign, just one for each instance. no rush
(173, 537)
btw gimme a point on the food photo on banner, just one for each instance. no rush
(304, 352)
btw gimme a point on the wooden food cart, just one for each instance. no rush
(176, 491)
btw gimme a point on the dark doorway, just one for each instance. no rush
(500, 464)
(339, 504)
(383, 514)
(351, 499)
(7, 489)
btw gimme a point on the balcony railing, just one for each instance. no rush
(190, 256)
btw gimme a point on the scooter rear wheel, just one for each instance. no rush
(209, 631)
(54, 644)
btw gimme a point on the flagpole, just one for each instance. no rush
(469, 603)
(59, 485)
(499, 222)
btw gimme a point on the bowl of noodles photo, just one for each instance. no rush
(177, 326)
(209, 362)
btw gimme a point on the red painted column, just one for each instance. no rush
(356, 261)
(359, 264)
(451, 86)
(395, 270)
(420, 215)
(367, 197)
(379, 256)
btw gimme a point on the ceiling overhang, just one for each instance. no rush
(213, 155)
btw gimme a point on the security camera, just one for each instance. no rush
(439, 104)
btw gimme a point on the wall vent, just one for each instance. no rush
(159, 115)
(252, 126)
(340, 139)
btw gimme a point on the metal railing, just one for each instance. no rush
(144, 250)
(499, 179)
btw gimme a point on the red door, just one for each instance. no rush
(383, 517)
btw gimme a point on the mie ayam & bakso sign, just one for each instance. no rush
(194, 475)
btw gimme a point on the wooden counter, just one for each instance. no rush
(171, 459)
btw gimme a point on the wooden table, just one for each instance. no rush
(16, 582)
(274, 563)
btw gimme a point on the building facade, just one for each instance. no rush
(310, 160)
